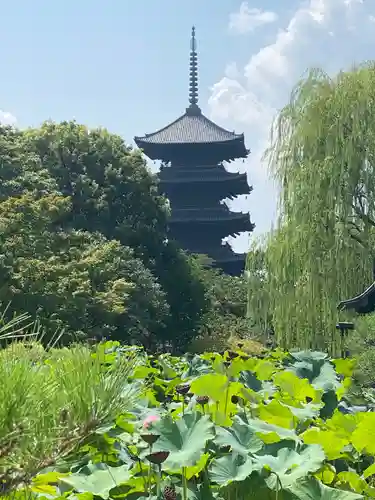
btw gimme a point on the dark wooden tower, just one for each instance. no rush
(192, 150)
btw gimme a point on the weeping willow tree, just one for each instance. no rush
(258, 298)
(322, 155)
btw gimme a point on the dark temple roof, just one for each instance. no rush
(362, 304)
(190, 128)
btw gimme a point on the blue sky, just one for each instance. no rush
(123, 64)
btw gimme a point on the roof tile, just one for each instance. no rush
(190, 128)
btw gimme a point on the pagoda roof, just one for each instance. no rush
(361, 304)
(190, 128)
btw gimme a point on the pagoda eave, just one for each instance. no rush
(234, 258)
(230, 218)
(361, 304)
(227, 150)
(222, 228)
(233, 268)
(239, 178)
(233, 265)
(228, 189)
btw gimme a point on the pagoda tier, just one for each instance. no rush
(201, 237)
(217, 219)
(192, 150)
(192, 136)
(205, 181)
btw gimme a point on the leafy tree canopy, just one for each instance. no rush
(322, 155)
(76, 281)
(112, 197)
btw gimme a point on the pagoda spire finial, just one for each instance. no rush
(193, 80)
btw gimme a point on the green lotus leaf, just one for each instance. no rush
(270, 433)
(194, 470)
(370, 471)
(78, 496)
(196, 367)
(327, 380)
(361, 437)
(288, 466)
(312, 489)
(326, 474)
(100, 482)
(250, 381)
(241, 437)
(212, 385)
(237, 366)
(343, 424)
(230, 468)
(317, 369)
(167, 370)
(142, 371)
(184, 439)
(264, 369)
(309, 356)
(305, 412)
(278, 414)
(134, 486)
(222, 409)
(345, 366)
(196, 492)
(294, 388)
(332, 443)
(330, 402)
(353, 480)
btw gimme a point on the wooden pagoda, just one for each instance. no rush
(192, 150)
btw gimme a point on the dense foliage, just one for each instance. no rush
(226, 317)
(84, 243)
(322, 156)
(75, 281)
(361, 344)
(211, 426)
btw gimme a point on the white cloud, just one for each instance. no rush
(332, 34)
(7, 118)
(247, 19)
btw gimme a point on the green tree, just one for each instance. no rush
(21, 169)
(225, 318)
(258, 294)
(323, 158)
(111, 193)
(74, 281)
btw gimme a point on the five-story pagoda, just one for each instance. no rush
(192, 150)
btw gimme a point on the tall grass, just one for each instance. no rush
(51, 400)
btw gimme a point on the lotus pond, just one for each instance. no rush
(224, 426)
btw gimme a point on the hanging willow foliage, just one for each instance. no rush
(323, 156)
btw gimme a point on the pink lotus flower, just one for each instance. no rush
(148, 421)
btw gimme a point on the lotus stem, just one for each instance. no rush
(149, 471)
(158, 485)
(226, 399)
(141, 472)
(184, 483)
